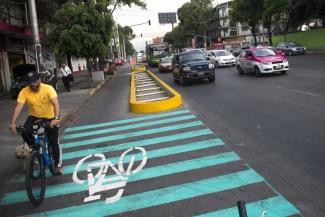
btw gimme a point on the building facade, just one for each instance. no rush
(224, 29)
(16, 42)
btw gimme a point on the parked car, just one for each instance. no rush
(261, 61)
(19, 73)
(292, 48)
(221, 58)
(165, 64)
(119, 61)
(192, 65)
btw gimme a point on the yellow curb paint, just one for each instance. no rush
(94, 90)
(158, 106)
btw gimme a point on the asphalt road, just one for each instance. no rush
(275, 123)
(197, 155)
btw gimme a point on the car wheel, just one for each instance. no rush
(212, 79)
(257, 71)
(240, 71)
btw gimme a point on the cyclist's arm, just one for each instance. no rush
(19, 107)
(56, 105)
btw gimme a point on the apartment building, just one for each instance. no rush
(223, 28)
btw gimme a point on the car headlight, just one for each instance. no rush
(294, 49)
(285, 61)
(186, 69)
(211, 66)
(266, 63)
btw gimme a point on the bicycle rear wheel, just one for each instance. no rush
(35, 178)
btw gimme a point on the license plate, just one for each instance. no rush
(200, 73)
(279, 66)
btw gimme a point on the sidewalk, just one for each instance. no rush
(69, 103)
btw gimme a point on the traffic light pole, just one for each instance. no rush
(139, 24)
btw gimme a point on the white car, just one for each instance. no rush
(221, 58)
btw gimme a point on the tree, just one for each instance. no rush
(195, 16)
(84, 27)
(306, 10)
(248, 12)
(271, 8)
(127, 33)
(176, 38)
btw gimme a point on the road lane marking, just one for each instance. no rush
(298, 91)
(128, 127)
(145, 142)
(275, 207)
(125, 121)
(147, 173)
(165, 195)
(132, 134)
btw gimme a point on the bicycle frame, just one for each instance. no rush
(42, 143)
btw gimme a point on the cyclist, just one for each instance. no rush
(43, 105)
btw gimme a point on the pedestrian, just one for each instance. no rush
(66, 76)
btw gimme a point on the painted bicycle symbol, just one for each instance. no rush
(99, 182)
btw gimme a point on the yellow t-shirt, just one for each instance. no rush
(39, 103)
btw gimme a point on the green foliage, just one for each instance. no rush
(128, 35)
(176, 38)
(81, 29)
(194, 18)
(248, 12)
(84, 27)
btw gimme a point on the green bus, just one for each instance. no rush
(155, 52)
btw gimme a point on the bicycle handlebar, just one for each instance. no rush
(35, 126)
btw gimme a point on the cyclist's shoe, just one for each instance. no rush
(58, 171)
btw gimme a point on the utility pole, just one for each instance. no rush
(35, 31)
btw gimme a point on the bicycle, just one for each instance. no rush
(39, 157)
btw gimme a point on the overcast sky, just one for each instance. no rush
(130, 16)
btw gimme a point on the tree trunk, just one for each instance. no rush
(254, 34)
(269, 33)
(88, 72)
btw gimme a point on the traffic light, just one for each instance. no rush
(149, 22)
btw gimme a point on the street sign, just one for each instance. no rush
(165, 18)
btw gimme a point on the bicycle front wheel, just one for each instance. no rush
(35, 178)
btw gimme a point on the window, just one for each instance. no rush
(4, 13)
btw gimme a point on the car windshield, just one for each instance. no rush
(263, 52)
(187, 57)
(166, 60)
(293, 44)
(222, 53)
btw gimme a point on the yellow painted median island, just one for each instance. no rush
(149, 94)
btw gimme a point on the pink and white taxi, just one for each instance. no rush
(261, 61)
